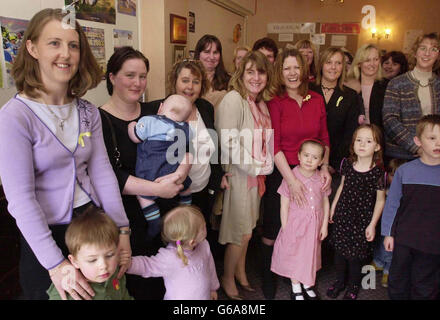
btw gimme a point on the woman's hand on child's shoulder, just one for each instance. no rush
(326, 178)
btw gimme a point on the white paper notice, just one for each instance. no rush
(318, 38)
(285, 37)
(338, 41)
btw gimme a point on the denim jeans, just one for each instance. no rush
(382, 258)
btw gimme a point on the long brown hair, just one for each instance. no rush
(221, 76)
(26, 71)
(279, 85)
(378, 138)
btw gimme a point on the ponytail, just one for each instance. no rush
(180, 253)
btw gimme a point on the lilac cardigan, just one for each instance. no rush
(38, 174)
(195, 281)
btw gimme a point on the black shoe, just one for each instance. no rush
(306, 295)
(268, 275)
(335, 289)
(293, 295)
(352, 292)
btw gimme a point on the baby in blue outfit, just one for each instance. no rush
(163, 149)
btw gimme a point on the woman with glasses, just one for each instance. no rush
(409, 97)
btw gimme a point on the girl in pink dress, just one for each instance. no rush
(297, 249)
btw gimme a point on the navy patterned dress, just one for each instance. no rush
(354, 211)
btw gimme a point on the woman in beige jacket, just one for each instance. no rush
(243, 123)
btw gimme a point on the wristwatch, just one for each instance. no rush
(128, 232)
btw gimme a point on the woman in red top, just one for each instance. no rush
(296, 114)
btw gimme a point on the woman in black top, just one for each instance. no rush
(365, 77)
(126, 82)
(342, 105)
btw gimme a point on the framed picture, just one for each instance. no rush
(179, 53)
(178, 29)
(192, 21)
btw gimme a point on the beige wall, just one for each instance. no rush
(213, 19)
(399, 15)
(155, 35)
(153, 46)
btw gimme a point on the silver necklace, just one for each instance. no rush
(62, 120)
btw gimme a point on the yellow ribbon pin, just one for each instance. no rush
(307, 98)
(339, 100)
(81, 139)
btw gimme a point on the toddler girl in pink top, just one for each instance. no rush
(186, 264)
(297, 249)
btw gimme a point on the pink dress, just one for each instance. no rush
(297, 249)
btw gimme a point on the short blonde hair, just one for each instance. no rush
(325, 56)
(428, 120)
(26, 70)
(307, 44)
(92, 227)
(180, 225)
(240, 48)
(362, 56)
(259, 60)
(279, 85)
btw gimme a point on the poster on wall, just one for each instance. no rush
(127, 7)
(95, 10)
(191, 21)
(318, 38)
(11, 39)
(122, 38)
(95, 36)
(178, 29)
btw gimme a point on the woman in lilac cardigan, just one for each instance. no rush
(53, 162)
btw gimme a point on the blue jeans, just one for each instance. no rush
(382, 258)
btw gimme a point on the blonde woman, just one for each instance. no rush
(239, 53)
(186, 264)
(308, 50)
(341, 103)
(365, 77)
(243, 113)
